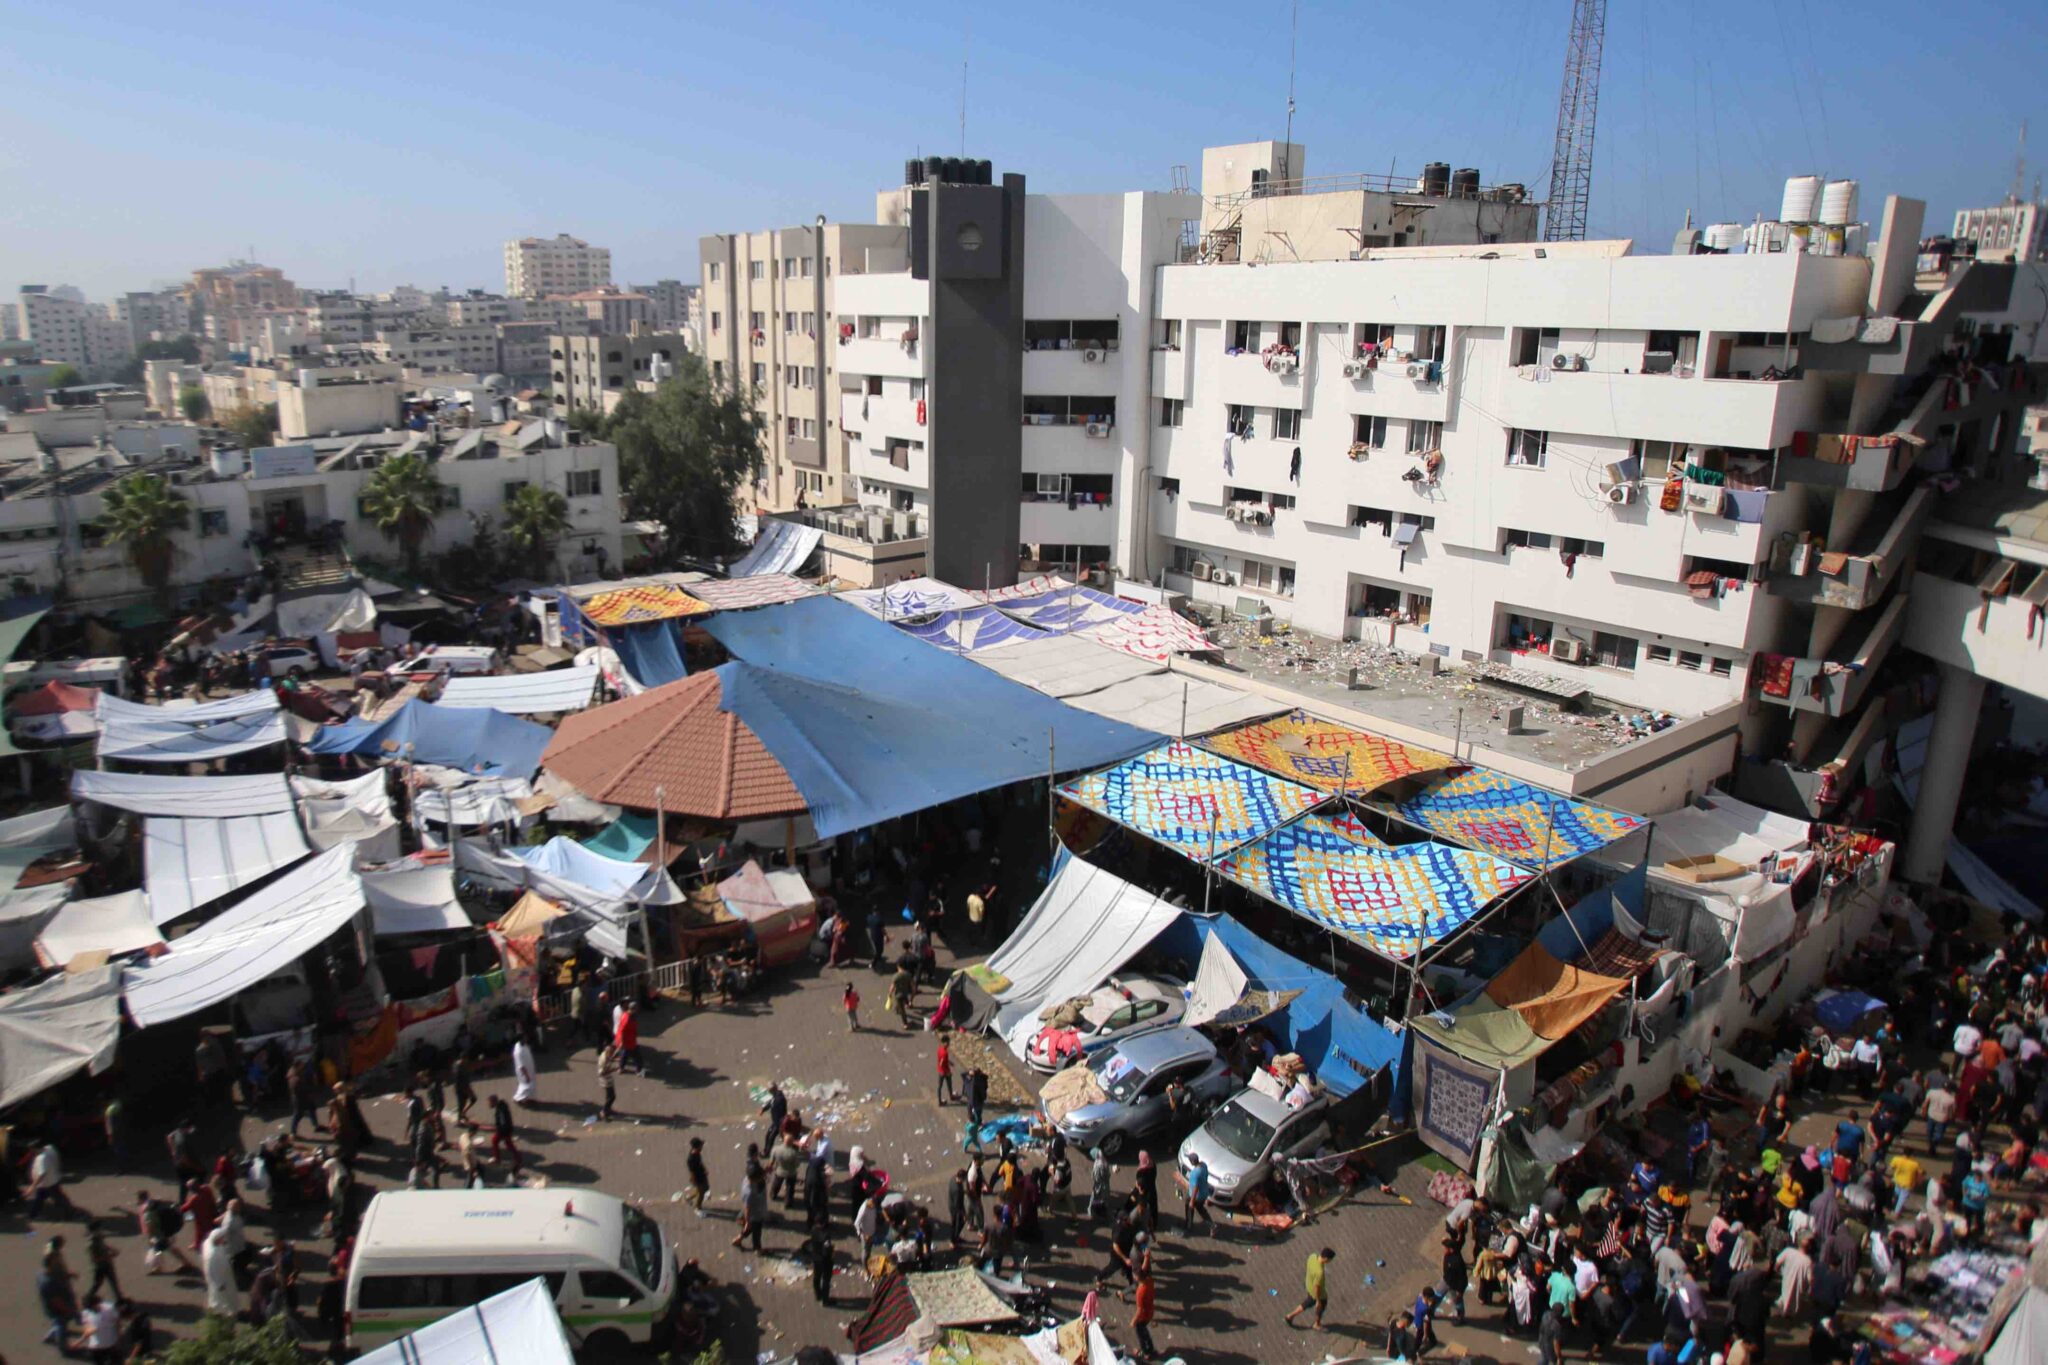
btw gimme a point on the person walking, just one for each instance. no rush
(785, 1164)
(753, 1199)
(46, 1181)
(219, 1267)
(945, 1091)
(608, 1080)
(1142, 1308)
(977, 1096)
(53, 1290)
(1549, 1338)
(1315, 1283)
(1100, 1176)
(901, 987)
(700, 1179)
(867, 1225)
(1456, 1277)
(465, 1091)
(849, 1000)
(1148, 1190)
(525, 1073)
(821, 1253)
(1198, 1196)
(976, 1181)
(502, 1135)
(626, 1038)
(200, 1211)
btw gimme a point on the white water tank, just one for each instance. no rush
(1724, 236)
(1759, 238)
(1802, 199)
(1838, 203)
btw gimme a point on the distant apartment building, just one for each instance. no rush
(2016, 230)
(477, 307)
(614, 309)
(596, 371)
(56, 324)
(335, 403)
(219, 299)
(10, 322)
(536, 267)
(472, 348)
(675, 307)
(153, 315)
(766, 301)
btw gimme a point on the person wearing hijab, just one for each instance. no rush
(525, 1074)
(219, 1266)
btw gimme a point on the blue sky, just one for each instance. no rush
(403, 143)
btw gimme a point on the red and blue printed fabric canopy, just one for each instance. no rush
(1487, 810)
(1197, 803)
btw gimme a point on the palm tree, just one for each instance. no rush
(536, 517)
(140, 513)
(403, 497)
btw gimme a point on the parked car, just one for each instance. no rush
(1127, 1005)
(1240, 1140)
(291, 660)
(448, 659)
(1122, 1100)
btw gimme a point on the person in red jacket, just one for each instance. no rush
(627, 1038)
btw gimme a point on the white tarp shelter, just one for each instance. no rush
(190, 863)
(113, 925)
(526, 694)
(1063, 666)
(781, 548)
(135, 733)
(51, 1030)
(356, 811)
(1219, 983)
(1087, 923)
(270, 930)
(606, 918)
(1756, 906)
(44, 830)
(162, 794)
(910, 598)
(566, 860)
(1173, 704)
(414, 900)
(517, 1327)
(480, 801)
(325, 614)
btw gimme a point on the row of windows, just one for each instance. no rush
(1609, 649)
(791, 268)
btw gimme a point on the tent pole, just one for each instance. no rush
(1052, 768)
(1183, 708)
(1209, 864)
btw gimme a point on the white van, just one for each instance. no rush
(467, 660)
(422, 1254)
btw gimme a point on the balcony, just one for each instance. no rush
(1993, 627)
(1246, 379)
(1054, 522)
(1833, 764)
(1870, 464)
(1748, 414)
(1096, 369)
(891, 357)
(1854, 579)
(1833, 687)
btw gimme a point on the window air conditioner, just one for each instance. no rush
(1100, 430)
(1199, 570)
(1705, 497)
(1622, 494)
(1355, 369)
(1092, 356)
(1417, 369)
(1568, 651)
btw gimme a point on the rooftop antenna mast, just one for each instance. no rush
(2019, 169)
(1571, 161)
(1293, 40)
(966, 39)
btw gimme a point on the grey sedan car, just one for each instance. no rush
(1240, 1141)
(1125, 1099)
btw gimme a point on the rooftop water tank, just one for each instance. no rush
(1838, 203)
(1724, 236)
(1802, 199)
(1465, 183)
(1436, 178)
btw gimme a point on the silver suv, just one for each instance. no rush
(1240, 1140)
(1123, 1100)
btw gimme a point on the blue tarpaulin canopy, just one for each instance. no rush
(649, 651)
(474, 739)
(872, 724)
(625, 838)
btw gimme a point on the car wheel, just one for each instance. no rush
(606, 1343)
(1112, 1143)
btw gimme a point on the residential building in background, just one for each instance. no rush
(317, 403)
(2016, 230)
(613, 309)
(765, 296)
(675, 307)
(221, 299)
(595, 371)
(10, 322)
(55, 323)
(538, 266)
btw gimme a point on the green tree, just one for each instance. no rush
(250, 424)
(402, 497)
(685, 453)
(588, 420)
(192, 403)
(140, 514)
(63, 377)
(224, 1341)
(536, 519)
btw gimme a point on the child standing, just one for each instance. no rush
(851, 1001)
(945, 1094)
(700, 1179)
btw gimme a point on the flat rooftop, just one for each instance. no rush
(1392, 684)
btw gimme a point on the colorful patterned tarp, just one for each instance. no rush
(1029, 587)
(1178, 794)
(647, 602)
(1332, 757)
(1070, 608)
(1513, 820)
(963, 632)
(1395, 900)
(1151, 633)
(762, 590)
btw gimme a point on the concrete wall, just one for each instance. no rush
(329, 408)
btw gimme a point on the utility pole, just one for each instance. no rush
(1571, 160)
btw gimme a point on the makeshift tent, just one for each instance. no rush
(530, 914)
(911, 598)
(1172, 704)
(134, 733)
(190, 863)
(1156, 633)
(525, 694)
(484, 801)
(782, 547)
(1035, 586)
(325, 613)
(755, 590)
(1552, 997)
(413, 900)
(1327, 756)
(2016, 1324)
(1198, 804)
(1219, 983)
(24, 913)
(642, 602)
(1488, 810)
(476, 740)
(674, 748)
(247, 942)
(1760, 855)
(518, 1327)
(54, 727)
(112, 925)
(651, 652)
(958, 1298)
(356, 811)
(627, 838)
(1395, 900)
(15, 629)
(41, 830)
(1454, 1091)
(162, 794)
(1085, 925)
(780, 907)
(566, 860)
(970, 629)
(872, 725)
(54, 698)
(1064, 666)
(1069, 608)
(56, 1028)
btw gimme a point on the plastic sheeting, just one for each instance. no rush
(970, 630)
(190, 863)
(113, 925)
(159, 794)
(476, 740)
(356, 811)
(755, 590)
(1197, 803)
(625, 838)
(1156, 633)
(1325, 755)
(53, 1030)
(781, 548)
(1756, 906)
(1170, 704)
(326, 613)
(1513, 820)
(188, 734)
(871, 725)
(43, 830)
(246, 943)
(1064, 666)
(1552, 997)
(650, 652)
(605, 918)
(1069, 608)
(1085, 925)
(525, 694)
(486, 801)
(911, 598)
(518, 1327)
(414, 900)
(1219, 983)
(565, 859)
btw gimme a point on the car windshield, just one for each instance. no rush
(1242, 1133)
(640, 1257)
(1121, 1079)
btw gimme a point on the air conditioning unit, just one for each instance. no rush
(1417, 369)
(1705, 497)
(1100, 430)
(1568, 651)
(1092, 356)
(1280, 362)
(1560, 361)
(1355, 369)
(1622, 494)
(1577, 364)
(1052, 485)
(1199, 570)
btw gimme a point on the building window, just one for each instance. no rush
(1617, 651)
(1657, 458)
(1659, 654)
(790, 375)
(1244, 336)
(1511, 539)
(1280, 502)
(790, 427)
(789, 324)
(1369, 431)
(1424, 436)
(1238, 419)
(756, 321)
(1169, 486)
(1287, 424)
(1572, 545)
(714, 274)
(718, 371)
(1688, 658)
(1721, 666)
(450, 497)
(1171, 410)
(1527, 449)
(1429, 343)
(715, 317)
(760, 373)
(756, 270)
(213, 521)
(1277, 579)
(511, 489)
(810, 429)
(1169, 334)
(810, 376)
(585, 483)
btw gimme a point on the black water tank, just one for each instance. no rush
(948, 172)
(913, 171)
(1465, 183)
(1436, 178)
(984, 173)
